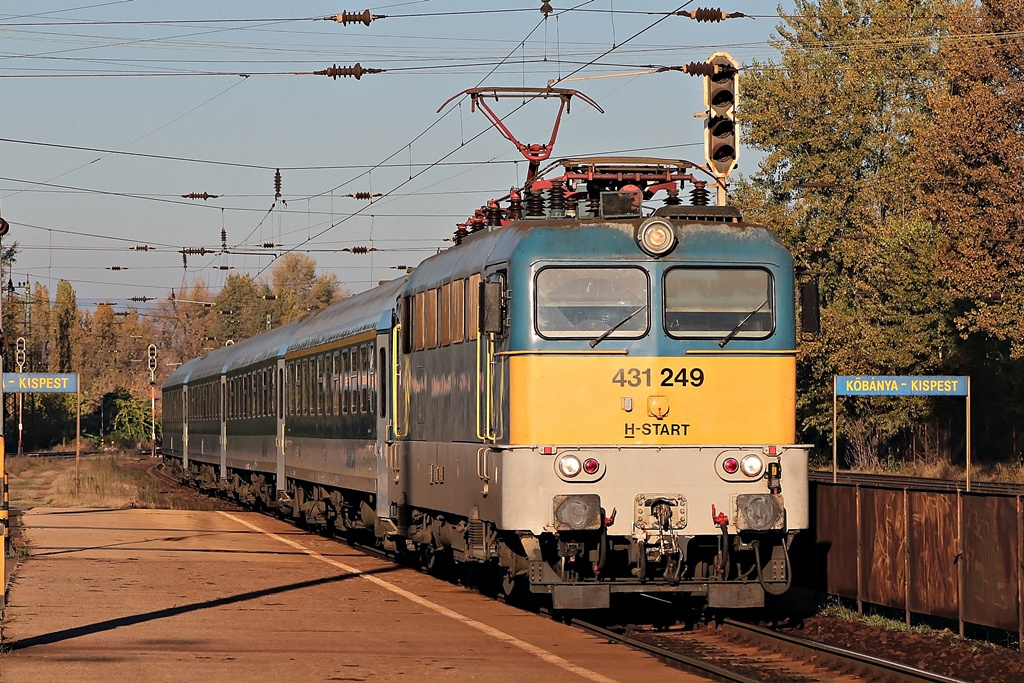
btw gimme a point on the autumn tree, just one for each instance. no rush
(298, 290)
(838, 119)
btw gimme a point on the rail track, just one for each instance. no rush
(745, 653)
(886, 481)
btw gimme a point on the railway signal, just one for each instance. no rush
(721, 132)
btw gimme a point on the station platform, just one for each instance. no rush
(168, 595)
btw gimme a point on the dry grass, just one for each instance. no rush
(119, 480)
(999, 472)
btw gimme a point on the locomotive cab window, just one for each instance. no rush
(715, 303)
(584, 303)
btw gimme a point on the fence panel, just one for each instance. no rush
(933, 548)
(990, 561)
(883, 563)
(836, 530)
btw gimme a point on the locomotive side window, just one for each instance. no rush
(458, 311)
(713, 303)
(585, 303)
(473, 306)
(419, 326)
(430, 319)
(446, 314)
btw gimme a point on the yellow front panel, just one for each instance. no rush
(688, 400)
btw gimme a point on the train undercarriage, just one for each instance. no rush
(574, 569)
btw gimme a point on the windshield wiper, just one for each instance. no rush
(618, 325)
(728, 338)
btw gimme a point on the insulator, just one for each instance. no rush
(710, 15)
(200, 195)
(515, 205)
(400, 267)
(142, 299)
(699, 69)
(364, 195)
(116, 268)
(224, 238)
(534, 204)
(494, 213)
(545, 8)
(277, 184)
(346, 18)
(355, 71)
(478, 222)
(223, 267)
(699, 195)
(196, 251)
(460, 233)
(269, 245)
(594, 205)
(556, 200)
(360, 250)
(673, 198)
(140, 247)
(184, 260)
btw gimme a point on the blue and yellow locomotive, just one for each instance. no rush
(582, 396)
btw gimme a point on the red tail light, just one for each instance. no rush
(731, 465)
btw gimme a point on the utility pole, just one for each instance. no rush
(20, 360)
(152, 395)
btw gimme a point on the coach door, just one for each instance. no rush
(279, 440)
(385, 447)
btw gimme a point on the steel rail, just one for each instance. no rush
(693, 663)
(870, 666)
(886, 481)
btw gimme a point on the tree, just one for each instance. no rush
(299, 291)
(838, 119)
(66, 330)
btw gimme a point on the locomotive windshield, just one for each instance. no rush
(584, 303)
(718, 303)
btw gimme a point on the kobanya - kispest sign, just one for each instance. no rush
(900, 385)
(896, 385)
(39, 382)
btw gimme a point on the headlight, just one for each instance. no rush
(569, 466)
(656, 236)
(752, 466)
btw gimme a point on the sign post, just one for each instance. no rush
(51, 383)
(899, 385)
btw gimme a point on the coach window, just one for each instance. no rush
(716, 303)
(382, 390)
(335, 367)
(446, 314)
(355, 387)
(343, 381)
(371, 382)
(473, 306)
(585, 303)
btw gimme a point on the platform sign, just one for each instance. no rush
(896, 385)
(41, 383)
(899, 385)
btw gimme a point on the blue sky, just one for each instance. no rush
(113, 110)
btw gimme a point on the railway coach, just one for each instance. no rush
(583, 397)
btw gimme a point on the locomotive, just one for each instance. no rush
(583, 397)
